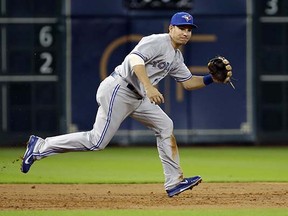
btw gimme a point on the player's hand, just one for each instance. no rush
(154, 95)
(229, 75)
(220, 70)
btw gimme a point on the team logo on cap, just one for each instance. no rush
(187, 17)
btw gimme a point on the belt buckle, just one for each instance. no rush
(132, 88)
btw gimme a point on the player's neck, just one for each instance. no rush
(174, 44)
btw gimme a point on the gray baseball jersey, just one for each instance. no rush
(160, 59)
(121, 95)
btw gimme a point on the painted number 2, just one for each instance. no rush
(46, 66)
(46, 40)
(271, 7)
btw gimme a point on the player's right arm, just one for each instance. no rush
(138, 66)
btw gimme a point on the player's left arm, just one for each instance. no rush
(195, 82)
(220, 71)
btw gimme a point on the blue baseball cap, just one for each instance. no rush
(182, 18)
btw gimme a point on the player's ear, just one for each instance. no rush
(170, 27)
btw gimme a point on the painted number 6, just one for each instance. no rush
(45, 36)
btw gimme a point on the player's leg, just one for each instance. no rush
(156, 119)
(113, 109)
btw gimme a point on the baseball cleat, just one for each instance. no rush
(185, 184)
(28, 158)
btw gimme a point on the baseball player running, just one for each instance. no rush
(130, 91)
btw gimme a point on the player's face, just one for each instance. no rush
(180, 35)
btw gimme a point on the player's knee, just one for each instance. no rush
(170, 125)
(99, 148)
(167, 129)
(96, 142)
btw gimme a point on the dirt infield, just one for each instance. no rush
(141, 196)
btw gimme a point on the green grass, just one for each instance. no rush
(142, 165)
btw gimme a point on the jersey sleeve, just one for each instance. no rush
(180, 72)
(147, 48)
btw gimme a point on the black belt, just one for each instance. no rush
(129, 86)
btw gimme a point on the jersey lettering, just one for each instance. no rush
(162, 65)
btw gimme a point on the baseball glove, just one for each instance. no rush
(219, 68)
